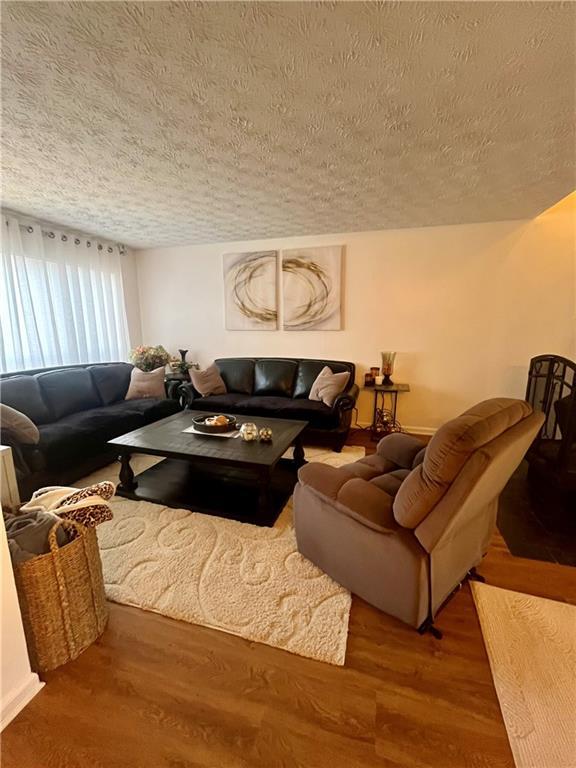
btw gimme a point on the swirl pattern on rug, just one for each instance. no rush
(238, 578)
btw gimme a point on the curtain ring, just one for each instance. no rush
(77, 241)
(88, 243)
(64, 239)
(29, 229)
(109, 250)
(99, 247)
(51, 235)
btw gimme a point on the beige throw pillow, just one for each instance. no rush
(23, 429)
(146, 384)
(209, 381)
(328, 385)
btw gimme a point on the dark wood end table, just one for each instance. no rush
(378, 427)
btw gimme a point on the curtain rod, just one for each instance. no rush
(47, 232)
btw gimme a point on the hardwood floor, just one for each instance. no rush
(158, 693)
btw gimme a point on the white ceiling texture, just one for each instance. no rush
(167, 123)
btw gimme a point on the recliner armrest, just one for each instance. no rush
(350, 495)
(400, 448)
(346, 400)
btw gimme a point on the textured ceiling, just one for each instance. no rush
(165, 123)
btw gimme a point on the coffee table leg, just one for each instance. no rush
(264, 494)
(127, 482)
(299, 459)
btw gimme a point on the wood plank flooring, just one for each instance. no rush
(158, 693)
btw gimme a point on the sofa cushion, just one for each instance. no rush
(227, 403)
(328, 385)
(318, 415)
(401, 448)
(391, 481)
(379, 463)
(308, 371)
(146, 384)
(275, 377)
(362, 470)
(448, 451)
(238, 374)
(81, 435)
(151, 408)
(75, 437)
(23, 394)
(208, 382)
(67, 391)
(111, 380)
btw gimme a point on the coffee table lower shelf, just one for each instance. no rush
(225, 492)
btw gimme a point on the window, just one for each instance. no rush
(61, 298)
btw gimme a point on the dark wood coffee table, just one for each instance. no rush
(217, 475)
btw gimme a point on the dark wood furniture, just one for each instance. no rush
(384, 419)
(552, 389)
(217, 475)
(280, 387)
(173, 381)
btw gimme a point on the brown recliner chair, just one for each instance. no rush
(403, 527)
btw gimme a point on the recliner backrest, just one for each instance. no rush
(447, 453)
(478, 484)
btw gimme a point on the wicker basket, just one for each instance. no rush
(62, 598)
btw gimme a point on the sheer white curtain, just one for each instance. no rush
(61, 298)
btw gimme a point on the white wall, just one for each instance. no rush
(464, 306)
(18, 684)
(131, 298)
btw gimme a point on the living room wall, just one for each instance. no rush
(465, 307)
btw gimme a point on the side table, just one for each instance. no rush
(384, 419)
(173, 381)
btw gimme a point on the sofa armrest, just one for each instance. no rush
(400, 448)
(7, 438)
(347, 400)
(188, 394)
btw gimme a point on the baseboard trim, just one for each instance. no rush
(18, 698)
(405, 428)
(420, 430)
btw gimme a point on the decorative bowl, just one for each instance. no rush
(213, 429)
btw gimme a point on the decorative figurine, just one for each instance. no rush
(249, 432)
(266, 435)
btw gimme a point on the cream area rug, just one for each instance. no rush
(531, 644)
(242, 579)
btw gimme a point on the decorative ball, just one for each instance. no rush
(265, 434)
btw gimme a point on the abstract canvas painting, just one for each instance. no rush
(311, 288)
(250, 282)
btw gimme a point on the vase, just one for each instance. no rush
(387, 367)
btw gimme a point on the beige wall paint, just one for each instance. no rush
(130, 288)
(464, 306)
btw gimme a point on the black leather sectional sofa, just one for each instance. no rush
(77, 410)
(279, 387)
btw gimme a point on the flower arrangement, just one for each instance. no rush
(149, 358)
(181, 365)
